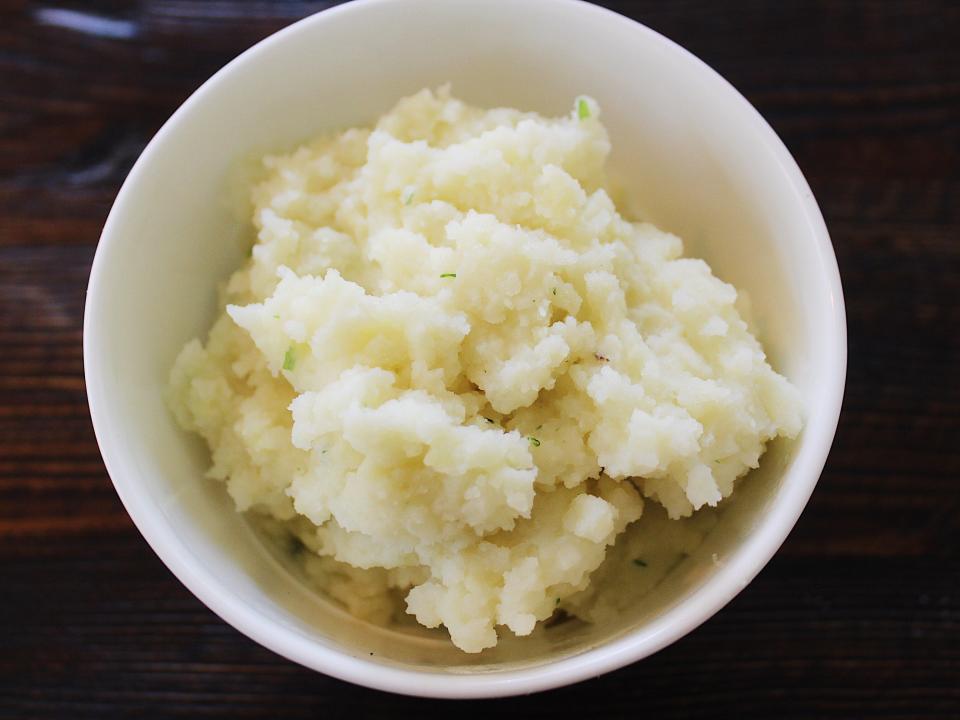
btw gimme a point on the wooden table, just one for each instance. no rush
(859, 613)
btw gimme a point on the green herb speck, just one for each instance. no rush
(583, 108)
(488, 420)
(639, 563)
(554, 291)
(557, 602)
(539, 426)
(448, 275)
(533, 441)
(408, 196)
(289, 359)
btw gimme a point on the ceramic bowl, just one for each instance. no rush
(694, 157)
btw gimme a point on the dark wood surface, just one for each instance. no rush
(858, 615)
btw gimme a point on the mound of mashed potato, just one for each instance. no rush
(452, 367)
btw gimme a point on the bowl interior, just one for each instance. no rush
(693, 156)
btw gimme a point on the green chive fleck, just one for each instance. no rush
(533, 441)
(539, 426)
(554, 291)
(557, 602)
(639, 563)
(289, 359)
(448, 275)
(408, 196)
(583, 108)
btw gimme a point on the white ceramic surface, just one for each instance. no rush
(696, 159)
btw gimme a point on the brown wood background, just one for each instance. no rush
(858, 615)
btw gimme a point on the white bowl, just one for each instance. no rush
(696, 158)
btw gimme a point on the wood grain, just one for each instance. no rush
(858, 615)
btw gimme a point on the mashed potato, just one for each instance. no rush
(457, 372)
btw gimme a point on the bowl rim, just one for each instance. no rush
(712, 595)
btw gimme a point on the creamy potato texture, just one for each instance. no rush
(456, 371)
